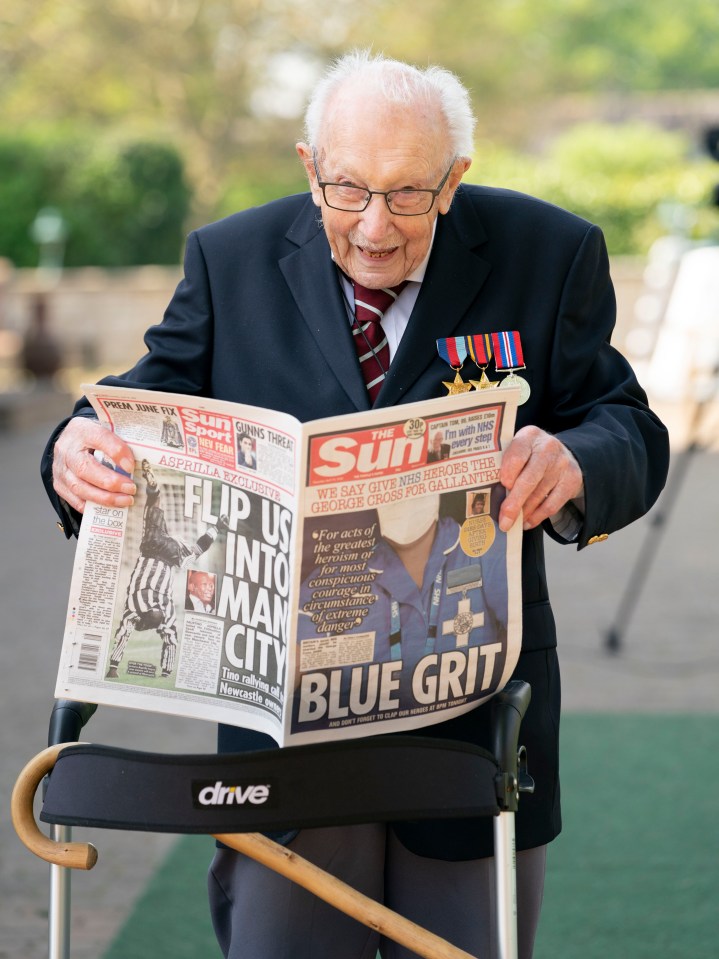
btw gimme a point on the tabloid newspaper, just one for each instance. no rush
(333, 579)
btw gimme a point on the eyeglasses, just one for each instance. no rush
(355, 199)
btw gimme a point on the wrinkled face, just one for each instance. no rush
(369, 143)
(202, 585)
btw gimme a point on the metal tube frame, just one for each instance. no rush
(505, 870)
(59, 911)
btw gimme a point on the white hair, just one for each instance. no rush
(401, 83)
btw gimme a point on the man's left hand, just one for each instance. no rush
(540, 475)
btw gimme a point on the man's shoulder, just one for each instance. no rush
(278, 215)
(491, 201)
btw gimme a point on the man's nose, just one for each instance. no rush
(376, 218)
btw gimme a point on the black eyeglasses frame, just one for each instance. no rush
(387, 194)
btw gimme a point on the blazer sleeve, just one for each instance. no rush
(599, 410)
(178, 360)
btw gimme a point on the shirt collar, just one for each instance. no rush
(416, 276)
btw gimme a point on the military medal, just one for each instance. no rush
(461, 581)
(453, 350)
(508, 357)
(512, 380)
(480, 349)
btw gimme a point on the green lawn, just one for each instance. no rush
(634, 874)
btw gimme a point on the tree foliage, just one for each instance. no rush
(624, 177)
(224, 80)
(516, 55)
(193, 71)
(122, 203)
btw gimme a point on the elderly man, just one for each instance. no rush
(266, 314)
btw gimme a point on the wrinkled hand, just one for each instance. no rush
(78, 477)
(540, 475)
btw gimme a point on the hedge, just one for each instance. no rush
(123, 204)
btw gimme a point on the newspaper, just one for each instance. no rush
(332, 579)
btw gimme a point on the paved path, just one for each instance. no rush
(669, 663)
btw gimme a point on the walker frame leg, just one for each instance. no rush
(505, 866)
(60, 901)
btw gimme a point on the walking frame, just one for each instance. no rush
(378, 779)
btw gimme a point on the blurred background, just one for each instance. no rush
(126, 123)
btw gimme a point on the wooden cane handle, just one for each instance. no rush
(342, 896)
(73, 855)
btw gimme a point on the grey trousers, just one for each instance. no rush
(258, 914)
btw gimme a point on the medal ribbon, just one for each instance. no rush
(453, 350)
(480, 348)
(507, 351)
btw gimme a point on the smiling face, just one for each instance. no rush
(202, 585)
(368, 142)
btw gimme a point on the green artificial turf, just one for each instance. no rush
(634, 873)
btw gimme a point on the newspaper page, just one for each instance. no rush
(409, 606)
(313, 581)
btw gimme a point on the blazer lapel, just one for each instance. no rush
(312, 278)
(455, 275)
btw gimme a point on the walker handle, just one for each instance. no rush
(67, 719)
(508, 710)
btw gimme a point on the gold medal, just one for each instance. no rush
(457, 386)
(477, 535)
(479, 347)
(453, 350)
(484, 382)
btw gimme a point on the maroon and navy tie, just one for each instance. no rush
(369, 337)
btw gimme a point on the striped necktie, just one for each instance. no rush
(369, 338)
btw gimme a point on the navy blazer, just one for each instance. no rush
(259, 318)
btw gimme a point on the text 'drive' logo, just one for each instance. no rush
(208, 793)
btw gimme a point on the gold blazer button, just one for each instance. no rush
(597, 539)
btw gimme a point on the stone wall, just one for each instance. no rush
(98, 316)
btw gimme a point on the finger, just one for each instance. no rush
(535, 512)
(517, 455)
(82, 434)
(540, 492)
(78, 476)
(77, 494)
(88, 479)
(549, 477)
(569, 485)
(526, 476)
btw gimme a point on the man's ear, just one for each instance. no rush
(305, 154)
(461, 165)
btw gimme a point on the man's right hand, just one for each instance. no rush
(78, 477)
